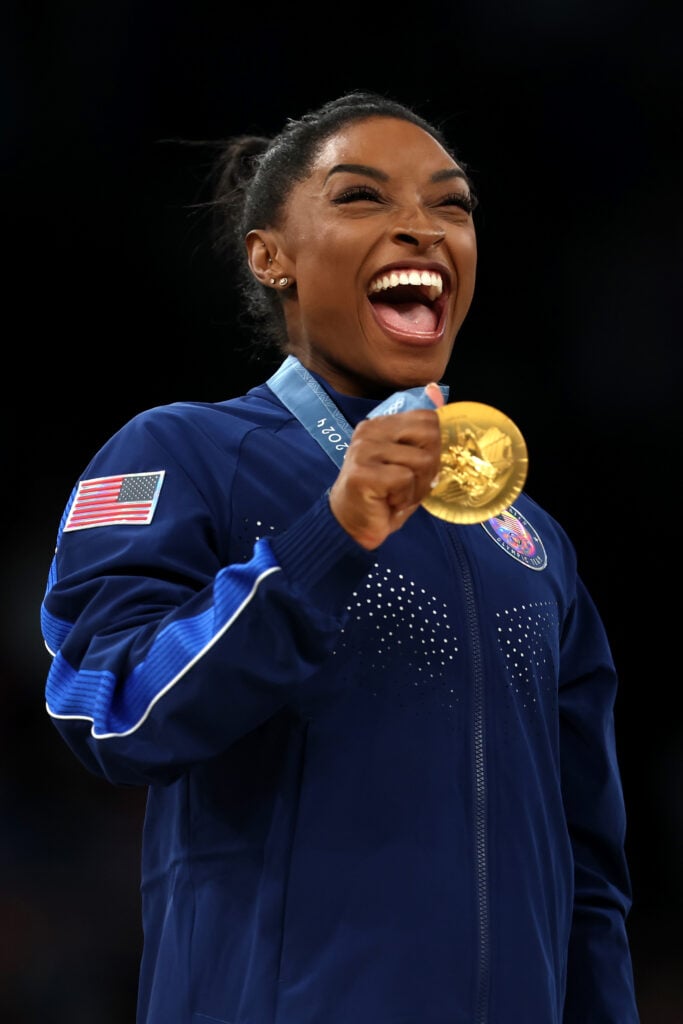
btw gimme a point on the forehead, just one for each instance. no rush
(387, 143)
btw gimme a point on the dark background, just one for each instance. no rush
(568, 116)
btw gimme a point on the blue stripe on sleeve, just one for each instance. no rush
(119, 709)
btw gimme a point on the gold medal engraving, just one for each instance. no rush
(483, 463)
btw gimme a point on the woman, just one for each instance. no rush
(379, 745)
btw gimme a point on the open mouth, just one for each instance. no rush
(410, 301)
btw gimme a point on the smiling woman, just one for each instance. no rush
(378, 745)
(362, 224)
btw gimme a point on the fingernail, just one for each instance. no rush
(433, 392)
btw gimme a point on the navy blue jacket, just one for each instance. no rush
(383, 786)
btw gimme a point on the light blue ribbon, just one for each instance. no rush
(301, 393)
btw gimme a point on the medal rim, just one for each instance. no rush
(481, 417)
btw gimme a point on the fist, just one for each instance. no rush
(391, 465)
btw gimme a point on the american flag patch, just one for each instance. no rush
(109, 500)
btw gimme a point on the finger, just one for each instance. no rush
(386, 468)
(434, 392)
(418, 427)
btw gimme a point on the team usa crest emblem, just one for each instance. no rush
(517, 537)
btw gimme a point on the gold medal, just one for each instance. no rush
(483, 463)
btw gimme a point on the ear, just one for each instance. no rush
(265, 257)
(267, 261)
(260, 248)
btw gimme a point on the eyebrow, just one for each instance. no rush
(373, 172)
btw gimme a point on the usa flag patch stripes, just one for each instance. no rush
(127, 500)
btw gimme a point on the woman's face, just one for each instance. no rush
(384, 200)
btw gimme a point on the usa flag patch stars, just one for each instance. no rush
(127, 500)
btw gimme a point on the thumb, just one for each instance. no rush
(434, 392)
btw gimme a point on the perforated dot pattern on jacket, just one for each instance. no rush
(411, 645)
(527, 639)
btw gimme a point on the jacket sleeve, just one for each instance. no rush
(162, 655)
(600, 986)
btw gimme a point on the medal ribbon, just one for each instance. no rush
(301, 393)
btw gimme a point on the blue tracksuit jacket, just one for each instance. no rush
(383, 786)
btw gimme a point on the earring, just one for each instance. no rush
(283, 282)
(272, 280)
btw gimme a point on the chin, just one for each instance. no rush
(417, 368)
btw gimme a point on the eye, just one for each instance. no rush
(465, 200)
(358, 192)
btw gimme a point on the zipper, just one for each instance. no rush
(479, 784)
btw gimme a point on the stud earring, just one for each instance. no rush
(283, 282)
(272, 280)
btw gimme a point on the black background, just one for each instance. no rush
(568, 116)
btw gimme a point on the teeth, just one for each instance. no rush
(429, 278)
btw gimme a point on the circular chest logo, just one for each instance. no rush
(517, 537)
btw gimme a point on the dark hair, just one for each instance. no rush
(253, 178)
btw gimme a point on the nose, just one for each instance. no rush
(418, 232)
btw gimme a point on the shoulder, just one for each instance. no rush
(220, 421)
(550, 533)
